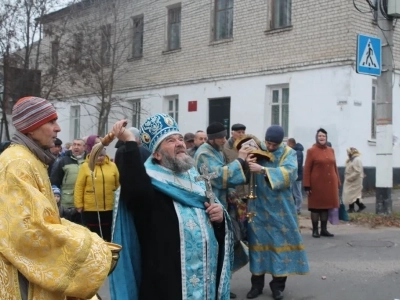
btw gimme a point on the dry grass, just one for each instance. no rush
(373, 220)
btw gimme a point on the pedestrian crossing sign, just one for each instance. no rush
(369, 55)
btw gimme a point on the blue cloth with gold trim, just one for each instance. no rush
(229, 176)
(199, 246)
(275, 243)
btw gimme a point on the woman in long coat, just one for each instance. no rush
(321, 182)
(353, 180)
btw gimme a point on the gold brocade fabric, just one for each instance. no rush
(57, 257)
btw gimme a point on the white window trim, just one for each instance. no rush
(136, 112)
(73, 109)
(280, 104)
(175, 111)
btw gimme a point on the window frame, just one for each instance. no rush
(174, 112)
(55, 51)
(75, 122)
(136, 111)
(135, 32)
(78, 48)
(171, 9)
(105, 44)
(274, 20)
(280, 104)
(228, 10)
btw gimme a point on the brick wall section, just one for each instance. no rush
(323, 31)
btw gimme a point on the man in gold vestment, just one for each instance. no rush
(42, 257)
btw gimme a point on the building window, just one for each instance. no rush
(75, 122)
(137, 36)
(78, 45)
(55, 49)
(173, 107)
(174, 28)
(106, 44)
(373, 114)
(223, 19)
(136, 113)
(280, 108)
(281, 13)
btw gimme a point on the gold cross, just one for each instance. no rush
(250, 216)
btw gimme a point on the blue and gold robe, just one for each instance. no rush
(275, 243)
(228, 176)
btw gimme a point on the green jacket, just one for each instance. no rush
(64, 175)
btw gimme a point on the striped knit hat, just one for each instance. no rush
(29, 113)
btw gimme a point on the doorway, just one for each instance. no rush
(220, 111)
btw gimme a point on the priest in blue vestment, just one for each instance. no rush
(229, 175)
(275, 243)
(185, 240)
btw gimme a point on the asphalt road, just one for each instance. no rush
(359, 263)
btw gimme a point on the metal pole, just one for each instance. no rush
(384, 131)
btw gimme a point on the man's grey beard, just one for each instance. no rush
(216, 147)
(176, 165)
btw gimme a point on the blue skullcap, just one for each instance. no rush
(155, 129)
(56, 190)
(275, 134)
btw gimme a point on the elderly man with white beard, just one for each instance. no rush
(185, 241)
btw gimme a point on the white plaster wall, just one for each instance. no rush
(314, 96)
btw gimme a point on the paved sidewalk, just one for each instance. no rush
(359, 263)
(369, 200)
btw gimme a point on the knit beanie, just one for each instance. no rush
(56, 190)
(29, 113)
(275, 134)
(216, 131)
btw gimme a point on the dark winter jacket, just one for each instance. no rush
(66, 213)
(300, 158)
(144, 153)
(64, 174)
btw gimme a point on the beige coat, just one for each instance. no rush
(353, 181)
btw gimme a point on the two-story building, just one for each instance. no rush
(258, 62)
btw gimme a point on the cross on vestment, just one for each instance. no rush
(206, 177)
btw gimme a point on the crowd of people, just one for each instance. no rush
(178, 204)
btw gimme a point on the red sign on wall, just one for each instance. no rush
(192, 105)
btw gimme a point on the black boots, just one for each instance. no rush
(351, 209)
(315, 233)
(254, 293)
(233, 296)
(324, 231)
(361, 206)
(257, 286)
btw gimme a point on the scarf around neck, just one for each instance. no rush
(45, 156)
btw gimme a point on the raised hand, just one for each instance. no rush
(121, 133)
